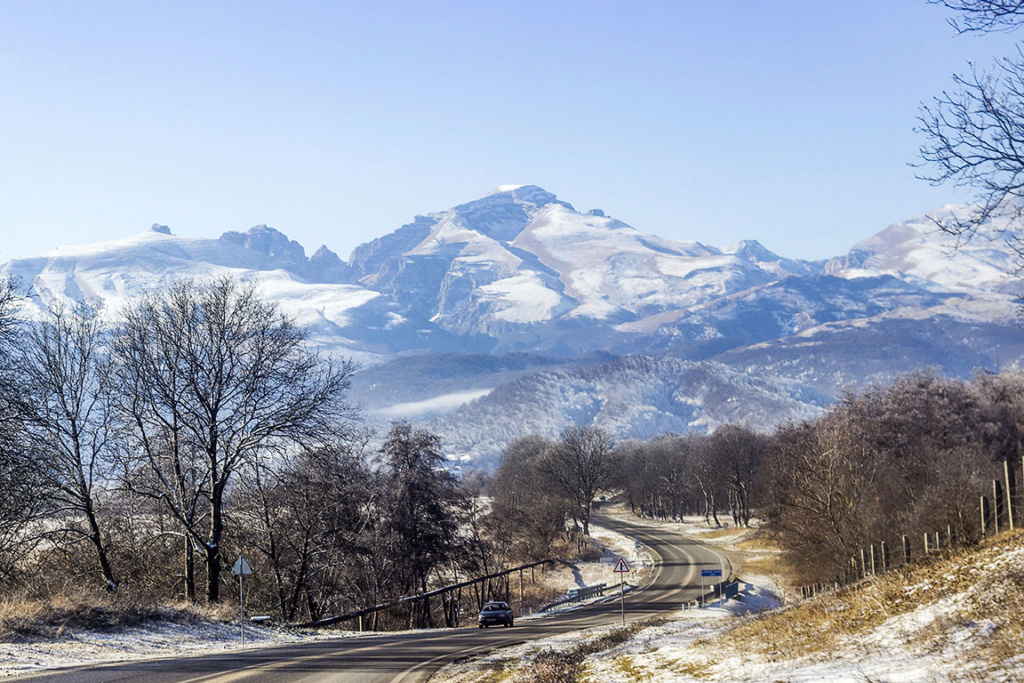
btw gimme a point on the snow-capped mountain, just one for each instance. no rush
(919, 251)
(344, 318)
(519, 265)
(530, 315)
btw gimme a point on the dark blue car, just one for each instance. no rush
(495, 613)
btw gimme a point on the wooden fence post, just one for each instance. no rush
(885, 557)
(984, 516)
(1009, 493)
(906, 549)
(997, 504)
(874, 565)
(926, 544)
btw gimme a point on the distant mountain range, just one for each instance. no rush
(515, 313)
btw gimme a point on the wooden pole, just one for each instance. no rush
(521, 592)
(984, 516)
(1009, 493)
(906, 549)
(997, 504)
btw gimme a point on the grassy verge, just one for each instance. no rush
(568, 666)
(26, 618)
(975, 593)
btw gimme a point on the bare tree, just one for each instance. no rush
(579, 466)
(984, 16)
(705, 473)
(70, 421)
(819, 480)
(23, 498)
(13, 405)
(213, 378)
(657, 475)
(527, 513)
(304, 515)
(735, 458)
(975, 139)
(974, 133)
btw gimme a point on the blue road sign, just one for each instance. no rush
(710, 572)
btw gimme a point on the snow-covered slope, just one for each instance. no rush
(442, 310)
(520, 259)
(341, 317)
(918, 250)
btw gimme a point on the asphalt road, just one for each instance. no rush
(414, 656)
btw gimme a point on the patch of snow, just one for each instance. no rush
(156, 640)
(432, 406)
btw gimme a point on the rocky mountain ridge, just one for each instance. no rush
(471, 289)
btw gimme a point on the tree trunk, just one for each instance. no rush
(190, 570)
(97, 541)
(213, 547)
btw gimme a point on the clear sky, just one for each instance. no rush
(336, 122)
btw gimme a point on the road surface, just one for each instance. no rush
(412, 657)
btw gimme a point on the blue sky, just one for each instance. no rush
(336, 122)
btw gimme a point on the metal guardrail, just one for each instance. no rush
(578, 594)
(367, 611)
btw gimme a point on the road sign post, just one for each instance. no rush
(621, 568)
(703, 573)
(241, 570)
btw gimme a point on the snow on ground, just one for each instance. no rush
(653, 649)
(170, 639)
(152, 641)
(611, 545)
(958, 619)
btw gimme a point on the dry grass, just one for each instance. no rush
(569, 666)
(718, 534)
(766, 565)
(963, 610)
(758, 542)
(23, 617)
(992, 595)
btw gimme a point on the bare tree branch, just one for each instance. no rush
(985, 16)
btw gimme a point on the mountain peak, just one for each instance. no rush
(752, 250)
(267, 241)
(162, 229)
(528, 194)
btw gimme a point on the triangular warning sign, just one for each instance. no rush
(621, 567)
(241, 567)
